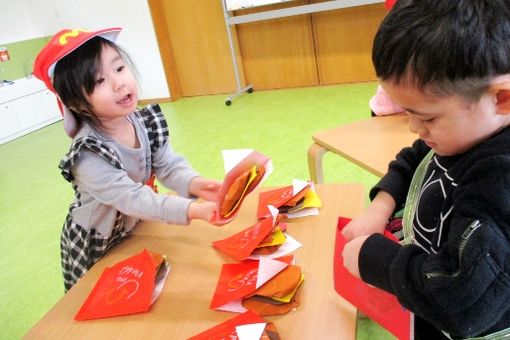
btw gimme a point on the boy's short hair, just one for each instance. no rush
(449, 47)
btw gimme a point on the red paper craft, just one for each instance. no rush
(377, 304)
(277, 198)
(126, 288)
(227, 329)
(240, 279)
(241, 245)
(252, 159)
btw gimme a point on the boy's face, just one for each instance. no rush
(449, 125)
(115, 92)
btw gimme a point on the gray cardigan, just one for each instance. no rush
(103, 188)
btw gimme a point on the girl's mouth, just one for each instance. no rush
(126, 100)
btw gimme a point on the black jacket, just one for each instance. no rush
(458, 275)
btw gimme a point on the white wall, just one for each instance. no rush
(28, 19)
(15, 22)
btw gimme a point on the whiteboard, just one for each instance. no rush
(234, 5)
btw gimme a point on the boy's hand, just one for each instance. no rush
(351, 255)
(201, 210)
(374, 219)
(204, 188)
(368, 223)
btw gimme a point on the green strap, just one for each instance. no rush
(412, 198)
(407, 221)
(503, 334)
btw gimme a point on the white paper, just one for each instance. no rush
(232, 157)
(233, 306)
(268, 268)
(251, 331)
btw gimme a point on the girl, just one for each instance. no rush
(116, 148)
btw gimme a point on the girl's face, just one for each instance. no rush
(449, 125)
(115, 92)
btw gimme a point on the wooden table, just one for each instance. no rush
(182, 309)
(371, 143)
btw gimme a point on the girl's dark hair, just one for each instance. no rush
(450, 47)
(75, 75)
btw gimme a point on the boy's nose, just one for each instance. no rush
(416, 125)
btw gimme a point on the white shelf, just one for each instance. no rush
(26, 106)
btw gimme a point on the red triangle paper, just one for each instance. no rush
(278, 197)
(239, 246)
(125, 288)
(227, 330)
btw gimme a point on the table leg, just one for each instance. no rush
(315, 153)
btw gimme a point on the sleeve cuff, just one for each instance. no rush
(375, 258)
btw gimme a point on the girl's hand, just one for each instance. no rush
(351, 255)
(201, 210)
(204, 188)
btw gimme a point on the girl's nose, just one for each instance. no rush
(118, 83)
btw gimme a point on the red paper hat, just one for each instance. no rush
(62, 44)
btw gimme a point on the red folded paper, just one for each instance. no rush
(129, 287)
(376, 303)
(242, 244)
(238, 280)
(229, 329)
(284, 199)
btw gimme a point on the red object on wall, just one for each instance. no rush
(4, 54)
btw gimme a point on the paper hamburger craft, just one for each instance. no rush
(296, 200)
(278, 295)
(267, 287)
(246, 326)
(245, 171)
(265, 238)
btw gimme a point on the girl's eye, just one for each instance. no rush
(430, 120)
(120, 68)
(99, 81)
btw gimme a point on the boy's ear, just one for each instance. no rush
(503, 102)
(500, 87)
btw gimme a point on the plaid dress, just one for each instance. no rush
(81, 247)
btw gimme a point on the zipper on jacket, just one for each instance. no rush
(464, 240)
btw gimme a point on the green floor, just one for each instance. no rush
(34, 197)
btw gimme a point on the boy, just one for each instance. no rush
(447, 63)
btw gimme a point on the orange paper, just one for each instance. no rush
(377, 304)
(129, 287)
